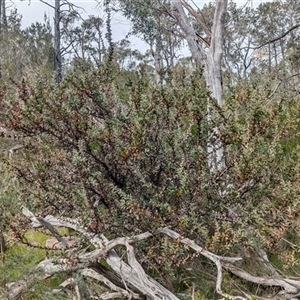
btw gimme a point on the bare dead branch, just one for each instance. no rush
(118, 265)
(291, 286)
(64, 284)
(55, 233)
(122, 292)
(217, 260)
(204, 41)
(132, 277)
(43, 270)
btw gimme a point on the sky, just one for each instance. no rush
(35, 10)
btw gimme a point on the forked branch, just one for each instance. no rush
(130, 279)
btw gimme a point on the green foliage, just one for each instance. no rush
(86, 39)
(126, 155)
(144, 16)
(16, 253)
(38, 43)
(133, 154)
(25, 51)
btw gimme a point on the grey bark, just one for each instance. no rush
(210, 59)
(3, 16)
(57, 37)
(57, 40)
(156, 54)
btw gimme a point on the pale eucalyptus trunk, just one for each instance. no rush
(3, 17)
(57, 40)
(210, 59)
(156, 54)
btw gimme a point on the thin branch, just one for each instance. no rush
(47, 4)
(278, 85)
(95, 275)
(291, 286)
(278, 38)
(63, 285)
(203, 40)
(54, 232)
(217, 260)
(71, 6)
(65, 49)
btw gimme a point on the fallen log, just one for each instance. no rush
(128, 279)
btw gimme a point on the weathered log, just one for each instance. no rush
(129, 280)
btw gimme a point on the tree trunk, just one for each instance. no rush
(211, 60)
(157, 62)
(3, 16)
(57, 48)
(3, 25)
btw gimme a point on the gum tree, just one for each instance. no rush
(171, 17)
(210, 57)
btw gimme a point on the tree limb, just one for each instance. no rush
(47, 4)
(43, 270)
(290, 286)
(278, 38)
(196, 16)
(189, 32)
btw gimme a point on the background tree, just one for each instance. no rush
(85, 41)
(58, 49)
(28, 50)
(57, 38)
(151, 21)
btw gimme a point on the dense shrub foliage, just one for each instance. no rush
(126, 156)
